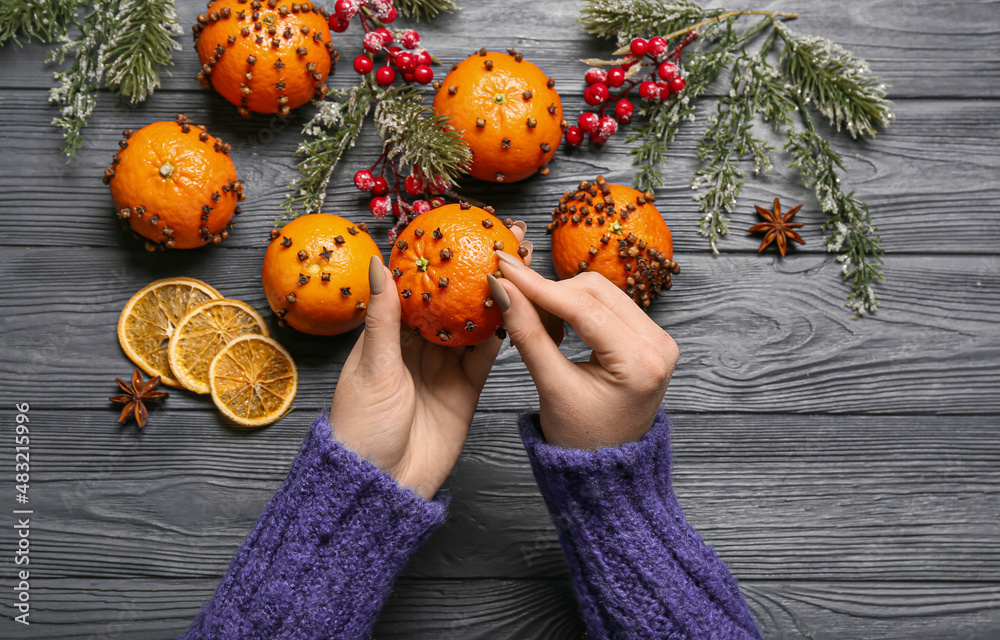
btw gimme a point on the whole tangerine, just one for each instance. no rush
(175, 185)
(315, 273)
(616, 231)
(440, 263)
(268, 57)
(508, 110)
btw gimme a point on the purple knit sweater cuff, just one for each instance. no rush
(638, 568)
(322, 558)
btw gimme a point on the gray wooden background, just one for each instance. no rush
(848, 471)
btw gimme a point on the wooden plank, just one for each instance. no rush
(949, 50)
(533, 609)
(68, 205)
(756, 333)
(780, 497)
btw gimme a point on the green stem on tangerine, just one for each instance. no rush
(499, 98)
(167, 170)
(423, 263)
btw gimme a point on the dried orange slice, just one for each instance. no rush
(203, 332)
(253, 380)
(150, 317)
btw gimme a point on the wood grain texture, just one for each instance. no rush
(945, 50)
(780, 497)
(756, 333)
(954, 142)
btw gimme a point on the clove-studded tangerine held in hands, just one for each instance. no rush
(268, 57)
(440, 263)
(175, 185)
(616, 231)
(315, 273)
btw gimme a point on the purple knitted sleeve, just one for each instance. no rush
(638, 568)
(322, 559)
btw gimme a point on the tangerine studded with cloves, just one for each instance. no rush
(265, 57)
(441, 276)
(315, 273)
(509, 111)
(175, 185)
(616, 231)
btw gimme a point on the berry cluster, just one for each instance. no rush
(427, 191)
(408, 60)
(662, 81)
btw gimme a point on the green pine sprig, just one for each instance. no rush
(418, 136)
(418, 10)
(141, 43)
(333, 130)
(42, 20)
(120, 43)
(809, 73)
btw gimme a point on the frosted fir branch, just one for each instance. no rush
(418, 136)
(626, 19)
(849, 231)
(418, 10)
(841, 86)
(76, 88)
(331, 132)
(142, 41)
(42, 20)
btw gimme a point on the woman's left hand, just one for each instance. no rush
(403, 402)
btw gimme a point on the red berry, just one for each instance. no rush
(657, 47)
(423, 57)
(381, 186)
(405, 62)
(648, 90)
(596, 94)
(393, 51)
(438, 185)
(667, 71)
(595, 75)
(677, 85)
(597, 138)
(423, 74)
(380, 207)
(437, 202)
(421, 206)
(616, 77)
(574, 136)
(627, 63)
(385, 76)
(413, 185)
(409, 77)
(397, 207)
(638, 47)
(623, 111)
(385, 33)
(390, 15)
(373, 42)
(410, 39)
(338, 24)
(345, 9)
(588, 121)
(363, 64)
(607, 127)
(363, 180)
(663, 91)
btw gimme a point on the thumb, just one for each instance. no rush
(382, 324)
(546, 364)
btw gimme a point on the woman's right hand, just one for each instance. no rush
(610, 399)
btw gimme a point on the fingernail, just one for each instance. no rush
(499, 294)
(527, 245)
(509, 259)
(520, 225)
(376, 276)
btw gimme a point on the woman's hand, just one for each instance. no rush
(403, 402)
(609, 400)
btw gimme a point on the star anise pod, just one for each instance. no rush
(778, 227)
(136, 396)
